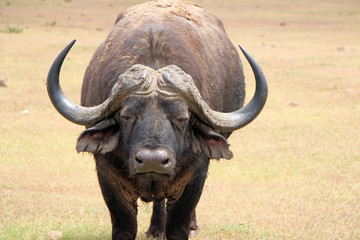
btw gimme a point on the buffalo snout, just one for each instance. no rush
(147, 160)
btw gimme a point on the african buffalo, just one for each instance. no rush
(159, 99)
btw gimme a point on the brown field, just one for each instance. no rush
(296, 169)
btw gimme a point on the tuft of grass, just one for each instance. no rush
(52, 24)
(10, 29)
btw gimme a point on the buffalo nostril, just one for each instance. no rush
(138, 161)
(165, 162)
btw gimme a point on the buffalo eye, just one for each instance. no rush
(180, 122)
(126, 118)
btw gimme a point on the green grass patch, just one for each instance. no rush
(10, 29)
(52, 24)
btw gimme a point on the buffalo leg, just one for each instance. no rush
(179, 213)
(157, 224)
(121, 204)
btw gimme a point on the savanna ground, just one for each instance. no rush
(296, 169)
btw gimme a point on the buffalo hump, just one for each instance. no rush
(162, 33)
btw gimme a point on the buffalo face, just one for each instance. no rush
(154, 129)
(153, 132)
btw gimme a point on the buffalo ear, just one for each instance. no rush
(103, 138)
(212, 143)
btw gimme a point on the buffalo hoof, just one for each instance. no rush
(154, 233)
(193, 233)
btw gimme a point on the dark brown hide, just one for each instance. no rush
(162, 33)
(158, 34)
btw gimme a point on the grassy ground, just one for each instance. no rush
(295, 174)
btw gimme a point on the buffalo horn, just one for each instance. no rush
(229, 122)
(71, 111)
(226, 122)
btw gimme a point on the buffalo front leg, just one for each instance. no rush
(182, 212)
(121, 204)
(157, 223)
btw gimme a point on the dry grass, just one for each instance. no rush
(295, 174)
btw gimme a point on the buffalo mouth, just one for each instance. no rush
(151, 186)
